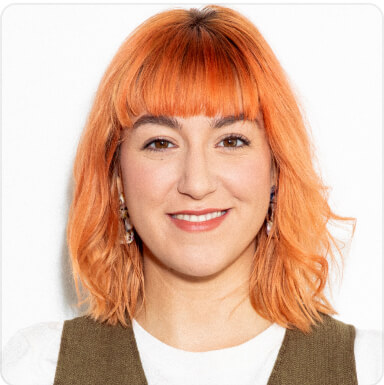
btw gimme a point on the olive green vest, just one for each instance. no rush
(93, 353)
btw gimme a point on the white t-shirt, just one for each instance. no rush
(30, 358)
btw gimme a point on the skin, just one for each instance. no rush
(196, 283)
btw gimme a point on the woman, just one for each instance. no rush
(198, 227)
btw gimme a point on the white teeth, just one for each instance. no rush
(199, 218)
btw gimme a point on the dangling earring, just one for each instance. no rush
(271, 209)
(129, 235)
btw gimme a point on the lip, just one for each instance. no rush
(197, 212)
(199, 226)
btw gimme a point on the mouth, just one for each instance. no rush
(202, 220)
(199, 218)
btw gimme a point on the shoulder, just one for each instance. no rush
(322, 355)
(327, 334)
(86, 328)
(368, 356)
(366, 345)
(367, 348)
(30, 356)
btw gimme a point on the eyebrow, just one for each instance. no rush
(160, 120)
(171, 122)
(226, 120)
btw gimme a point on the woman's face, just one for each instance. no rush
(174, 168)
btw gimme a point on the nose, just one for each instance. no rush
(196, 179)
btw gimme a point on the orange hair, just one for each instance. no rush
(190, 62)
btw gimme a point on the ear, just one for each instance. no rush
(274, 172)
(119, 184)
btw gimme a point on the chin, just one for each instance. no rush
(199, 267)
(196, 274)
(193, 262)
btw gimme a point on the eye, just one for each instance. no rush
(159, 144)
(234, 141)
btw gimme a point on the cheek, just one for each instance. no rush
(145, 184)
(249, 178)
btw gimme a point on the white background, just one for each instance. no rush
(53, 57)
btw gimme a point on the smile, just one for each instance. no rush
(199, 218)
(203, 222)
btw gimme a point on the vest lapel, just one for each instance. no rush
(323, 357)
(93, 353)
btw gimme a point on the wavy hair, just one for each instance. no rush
(190, 62)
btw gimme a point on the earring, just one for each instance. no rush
(271, 209)
(129, 235)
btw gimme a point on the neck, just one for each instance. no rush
(199, 314)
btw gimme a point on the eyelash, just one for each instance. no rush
(245, 141)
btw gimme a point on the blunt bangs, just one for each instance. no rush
(190, 67)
